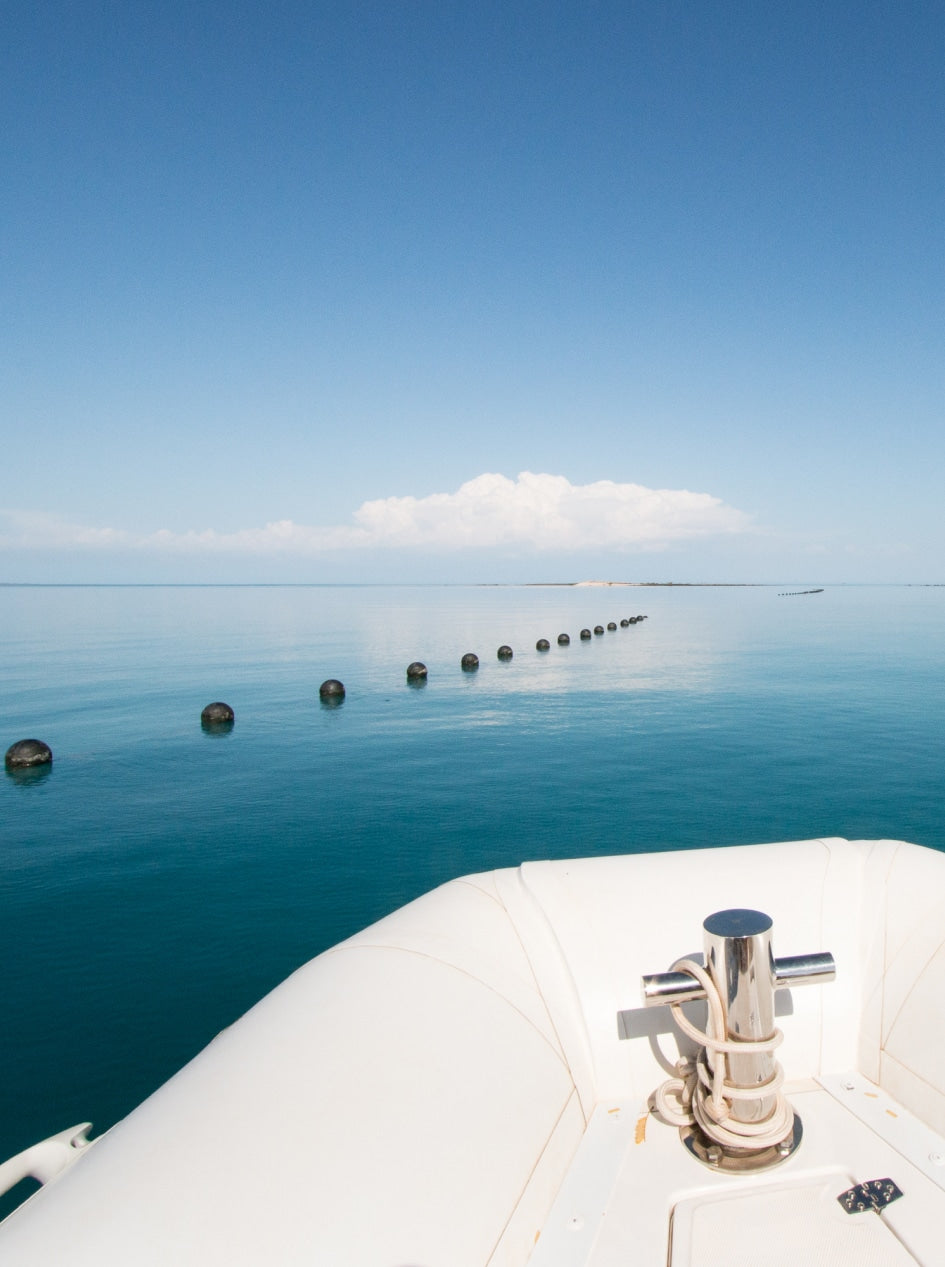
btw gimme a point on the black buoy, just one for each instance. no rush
(217, 714)
(585, 634)
(611, 625)
(26, 753)
(504, 652)
(416, 671)
(624, 623)
(332, 690)
(598, 629)
(563, 640)
(542, 644)
(469, 662)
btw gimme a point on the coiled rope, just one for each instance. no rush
(702, 1094)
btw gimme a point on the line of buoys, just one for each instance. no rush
(470, 660)
(795, 593)
(219, 717)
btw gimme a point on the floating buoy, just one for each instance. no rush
(217, 714)
(332, 691)
(27, 752)
(416, 671)
(585, 634)
(504, 652)
(542, 644)
(611, 625)
(563, 640)
(598, 629)
(469, 661)
(624, 623)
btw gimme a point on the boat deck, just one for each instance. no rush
(634, 1194)
(465, 1084)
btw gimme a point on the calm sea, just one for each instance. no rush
(158, 879)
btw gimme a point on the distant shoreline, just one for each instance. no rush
(651, 584)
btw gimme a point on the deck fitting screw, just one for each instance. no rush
(784, 1148)
(937, 1159)
(713, 1154)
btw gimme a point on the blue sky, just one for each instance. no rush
(472, 291)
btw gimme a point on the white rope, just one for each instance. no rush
(701, 1093)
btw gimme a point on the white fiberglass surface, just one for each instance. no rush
(796, 1223)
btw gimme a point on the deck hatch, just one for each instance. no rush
(781, 1226)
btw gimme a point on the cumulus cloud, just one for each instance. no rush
(547, 512)
(537, 512)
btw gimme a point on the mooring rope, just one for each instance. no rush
(702, 1094)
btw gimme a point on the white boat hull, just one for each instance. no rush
(466, 1083)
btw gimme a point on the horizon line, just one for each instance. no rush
(460, 584)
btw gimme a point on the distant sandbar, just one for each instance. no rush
(650, 584)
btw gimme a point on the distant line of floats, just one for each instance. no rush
(28, 754)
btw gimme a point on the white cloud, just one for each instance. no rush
(538, 512)
(547, 512)
(37, 530)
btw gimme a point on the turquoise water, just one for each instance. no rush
(158, 880)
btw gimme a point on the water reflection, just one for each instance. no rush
(216, 729)
(28, 776)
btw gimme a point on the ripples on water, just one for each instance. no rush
(159, 879)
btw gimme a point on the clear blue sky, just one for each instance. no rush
(265, 263)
